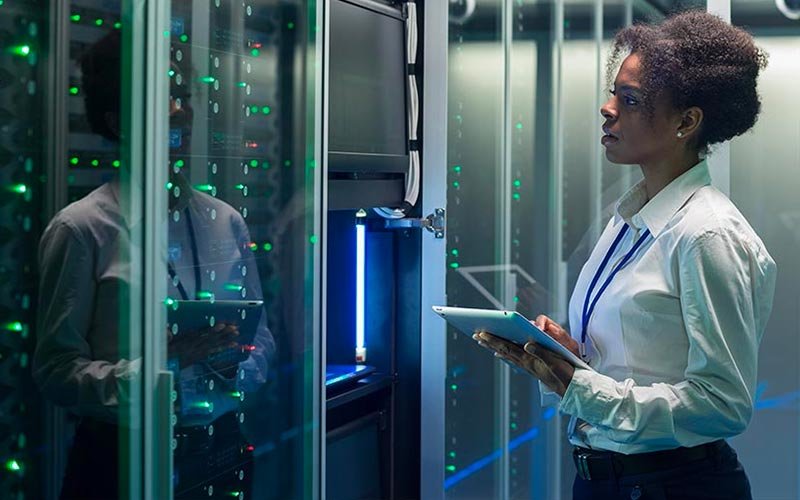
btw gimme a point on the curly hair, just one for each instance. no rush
(697, 59)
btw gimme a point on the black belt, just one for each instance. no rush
(600, 464)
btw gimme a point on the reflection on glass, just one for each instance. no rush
(239, 249)
(81, 361)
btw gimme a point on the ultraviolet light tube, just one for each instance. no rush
(361, 351)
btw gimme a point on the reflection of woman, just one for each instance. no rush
(672, 303)
(87, 279)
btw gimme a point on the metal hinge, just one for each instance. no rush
(434, 223)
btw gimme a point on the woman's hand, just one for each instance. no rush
(556, 331)
(550, 368)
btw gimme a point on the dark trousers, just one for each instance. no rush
(719, 476)
(93, 463)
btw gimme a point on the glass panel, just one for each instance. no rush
(764, 180)
(241, 247)
(475, 152)
(88, 356)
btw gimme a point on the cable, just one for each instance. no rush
(412, 184)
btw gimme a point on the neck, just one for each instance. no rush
(659, 173)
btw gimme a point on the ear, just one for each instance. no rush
(689, 126)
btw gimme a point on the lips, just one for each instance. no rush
(608, 138)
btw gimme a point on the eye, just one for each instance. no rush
(630, 101)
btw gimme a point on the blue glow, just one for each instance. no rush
(360, 262)
(479, 464)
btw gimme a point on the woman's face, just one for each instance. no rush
(630, 135)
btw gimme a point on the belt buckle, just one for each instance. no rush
(583, 465)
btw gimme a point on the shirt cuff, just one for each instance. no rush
(579, 394)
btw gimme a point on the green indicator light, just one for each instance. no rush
(457, 168)
(19, 188)
(451, 468)
(266, 110)
(202, 404)
(13, 466)
(117, 25)
(453, 387)
(204, 187)
(95, 163)
(254, 52)
(184, 38)
(233, 287)
(516, 298)
(20, 50)
(239, 186)
(169, 186)
(166, 33)
(287, 163)
(169, 301)
(234, 493)
(517, 183)
(313, 239)
(179, 163)
(75, 18)
(74, 160)
(241, 84)
(1, 3)
(115, 163)
(235, 394)
(454, 252)
(516, 196)
(14, 326)
(204, 294)
(267, 247)
(254, 109)
(519, 125)
(208, 79)
(513, 425)
(73, 90)
(253, 246)
(452, 454)
(290, 25)
(98, 22)
(456, 184)
(253, 163)
(171, 73)
(454, 265)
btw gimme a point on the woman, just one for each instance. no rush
(672, 303)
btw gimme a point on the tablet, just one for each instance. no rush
(196, 315)
(509, 325)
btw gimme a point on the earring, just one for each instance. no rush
(680, 134)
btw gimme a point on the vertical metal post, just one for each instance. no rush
(434, 181)
(558, 269)
(719, 163)
(596, 172)
(56, 79)
(324, 58)
(504, 246)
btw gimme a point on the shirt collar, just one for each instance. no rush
(635, 209)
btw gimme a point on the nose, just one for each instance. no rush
(608, 111)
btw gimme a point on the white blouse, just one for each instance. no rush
(674, 338)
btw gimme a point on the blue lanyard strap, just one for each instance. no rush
(588, 308)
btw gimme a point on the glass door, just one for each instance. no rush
(240, 199)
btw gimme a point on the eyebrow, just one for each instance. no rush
(626, 87)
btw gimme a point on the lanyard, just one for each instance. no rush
(195, 259)
(588, 308)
